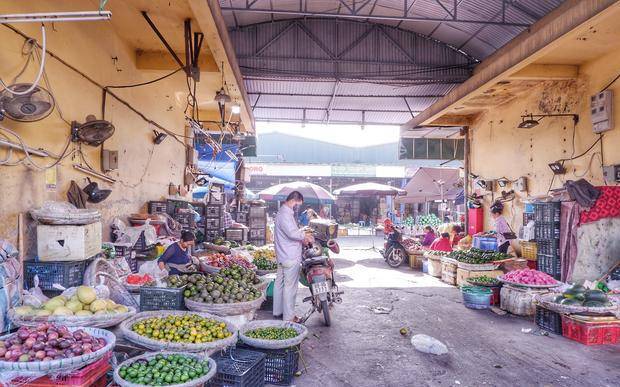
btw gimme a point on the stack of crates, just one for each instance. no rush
(547, 230)
(126, 251)
(214, 213)
(257, 222)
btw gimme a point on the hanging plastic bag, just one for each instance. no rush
(152, 268)
(34, 296)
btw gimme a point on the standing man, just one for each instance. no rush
(288, 239)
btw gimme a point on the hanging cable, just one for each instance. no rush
(97, 84)
(39, 74)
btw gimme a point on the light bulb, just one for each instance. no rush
(235, 109)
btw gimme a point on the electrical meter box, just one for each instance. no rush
(612, 173)
(602, 111)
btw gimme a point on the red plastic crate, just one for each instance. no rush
(591, 333)
(93, 375)
(531, 264)
(495, 298)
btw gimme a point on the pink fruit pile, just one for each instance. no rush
(47, 342)
(529, 277)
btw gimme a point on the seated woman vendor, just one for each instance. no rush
(176, 258)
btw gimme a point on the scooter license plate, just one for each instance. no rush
(320, 287)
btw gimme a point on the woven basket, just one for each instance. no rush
(196, 382)
(96, 320)
(260, 272)
(449, 260)
(272, 344)
(477, 267)
(158, 345)
(546, 301)
(233, 309)
(67, 364)
(209, 269)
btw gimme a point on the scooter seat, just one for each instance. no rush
(308, 262)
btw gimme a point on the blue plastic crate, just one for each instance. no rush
(485, 243)
(280, 364)
(239, 368)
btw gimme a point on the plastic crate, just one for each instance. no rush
(258, 212)
(549, 320)
(485, 243)
(527, 217)
(198, 207)
(213, 211)
(529, 250)
(258, 233)
(591, 333)
(185, 219)
(550, 265)
(156, 298)
(213, 224)
(549, 247)
(280, 364)
(547, 212)
(257, 222)
(216, 194)
(157, 207)
(65, 273)
(257, 242)
(239, 368)
(122, 249)
(211, 235)
(93, 374)
(173, 205)
(547, 230)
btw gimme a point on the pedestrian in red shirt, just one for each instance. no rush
(442, 243)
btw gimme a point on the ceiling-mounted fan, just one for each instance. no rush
(92, 132)
(30, 107)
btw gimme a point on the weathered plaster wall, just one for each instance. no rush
(500, 149)
(144, 171)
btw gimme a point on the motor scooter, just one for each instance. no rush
(393, 251)
(317, 270)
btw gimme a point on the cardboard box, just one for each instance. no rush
(68, 243)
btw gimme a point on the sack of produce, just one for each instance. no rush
(174, 369)
(272, 334)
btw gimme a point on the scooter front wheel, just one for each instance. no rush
(325, 308)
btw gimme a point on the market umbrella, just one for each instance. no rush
(312, 193)
(429, 183)
(369, 189)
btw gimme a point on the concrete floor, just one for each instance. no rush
(363, 348)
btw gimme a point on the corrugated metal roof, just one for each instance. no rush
(294, 59)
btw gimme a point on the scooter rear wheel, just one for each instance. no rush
(395, 256)
(325, 308)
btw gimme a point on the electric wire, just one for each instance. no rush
(41, 67)
(144, 83)
(97, 84)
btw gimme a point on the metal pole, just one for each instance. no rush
(465, 132)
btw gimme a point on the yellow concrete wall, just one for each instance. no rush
(145, 170)
(500, 149)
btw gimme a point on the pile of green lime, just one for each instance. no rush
(272, 333)
(164, 370)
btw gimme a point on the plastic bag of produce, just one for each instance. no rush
(152, 268)
(34, 296)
